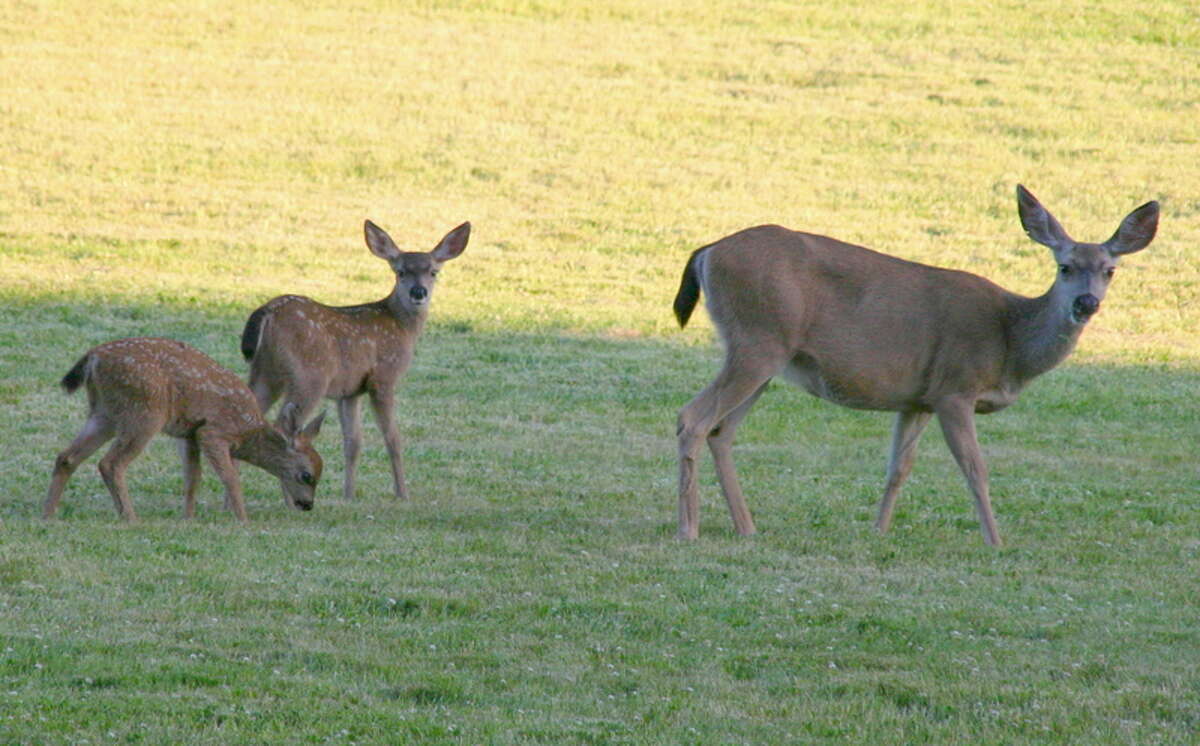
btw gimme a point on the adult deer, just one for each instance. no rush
(871, 331)
(142, 386)
(307, 351)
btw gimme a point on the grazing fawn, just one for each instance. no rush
(871, 331)
(306, 351)
(143, 386)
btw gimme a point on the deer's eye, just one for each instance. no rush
(306, 478)
(1109, 272)
(434, 272)
(1065, 269)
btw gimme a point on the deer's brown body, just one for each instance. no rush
(871, 331)
(305, 351)
(140, 387)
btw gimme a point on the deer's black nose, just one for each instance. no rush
(418, 293)
(1085, 306)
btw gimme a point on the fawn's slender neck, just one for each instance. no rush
(262, 446)
(409, 319)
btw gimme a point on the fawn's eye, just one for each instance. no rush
(306, 479)
(434, 272)
(1109, 272)
(1065, 269)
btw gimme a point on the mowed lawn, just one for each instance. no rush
(165, 168)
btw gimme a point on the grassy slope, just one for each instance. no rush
(163, 171)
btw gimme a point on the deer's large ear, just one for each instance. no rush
(312, 429)
(1040, 224)
(453, 243)
(1136, 232)
(379, 242)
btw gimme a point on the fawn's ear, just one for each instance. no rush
(1136, 232)
(452, 243)
(1041, 225)
(379, 242)
(289, 419)
(311, 430)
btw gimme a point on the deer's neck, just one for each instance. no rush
(1043, 334)
(411, 320)
(264, 447)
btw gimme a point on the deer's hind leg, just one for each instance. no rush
(739, 380)
(95, 433)
(266, 388)
(720, 443)
(131, 440)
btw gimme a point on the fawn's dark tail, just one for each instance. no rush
(252, 331)
(75, 376)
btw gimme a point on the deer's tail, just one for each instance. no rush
(76, 375)
(689, 288)
(252, 332)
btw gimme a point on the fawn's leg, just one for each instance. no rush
(124, 450)
(350, 415)
(95, 433)
(189, 452)
(382, 402)
(218, 454)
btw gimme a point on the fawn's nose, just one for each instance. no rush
(1084, 306)
(418, 293)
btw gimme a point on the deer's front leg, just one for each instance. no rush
(218, 454)
(382, 401)
(905, 434)
(350, 416)
(957, 418)
(189, 453)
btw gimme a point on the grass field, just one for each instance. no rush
(164, 168)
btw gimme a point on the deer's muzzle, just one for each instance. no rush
(1083, 307)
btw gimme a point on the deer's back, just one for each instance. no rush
(346, 346)
(858, 327)
(170, 381)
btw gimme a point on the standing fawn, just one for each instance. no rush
(143, 386)
(871, 331)
(307, 351)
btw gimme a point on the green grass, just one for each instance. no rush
(165, 169)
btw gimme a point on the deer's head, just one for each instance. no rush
(293, 459)
(1085, 269)
(416, 271)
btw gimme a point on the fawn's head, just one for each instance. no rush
(294, 460)
(416, 271)
(1085, 269)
